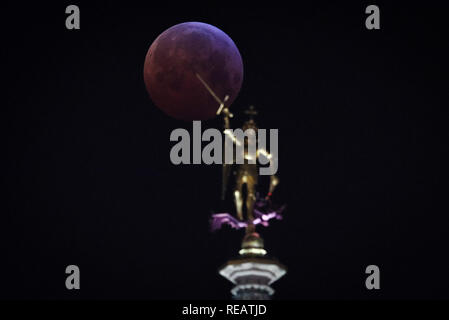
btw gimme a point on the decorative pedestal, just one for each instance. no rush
(252, 273)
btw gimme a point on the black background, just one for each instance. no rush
(363, 139)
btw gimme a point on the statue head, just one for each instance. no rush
(250, 124)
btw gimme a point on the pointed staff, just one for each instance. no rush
(226, 168)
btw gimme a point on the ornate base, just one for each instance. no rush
(252, 273)
(252, 277)
(252, 292)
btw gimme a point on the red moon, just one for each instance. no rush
(173, 61)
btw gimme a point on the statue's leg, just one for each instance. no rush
(238, 199)
(274, 181)
(250, 198)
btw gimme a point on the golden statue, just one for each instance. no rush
(246, 174)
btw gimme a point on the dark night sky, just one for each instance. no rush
(362, 118)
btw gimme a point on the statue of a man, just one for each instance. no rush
(246, 175)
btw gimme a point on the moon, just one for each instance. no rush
(174, 59)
